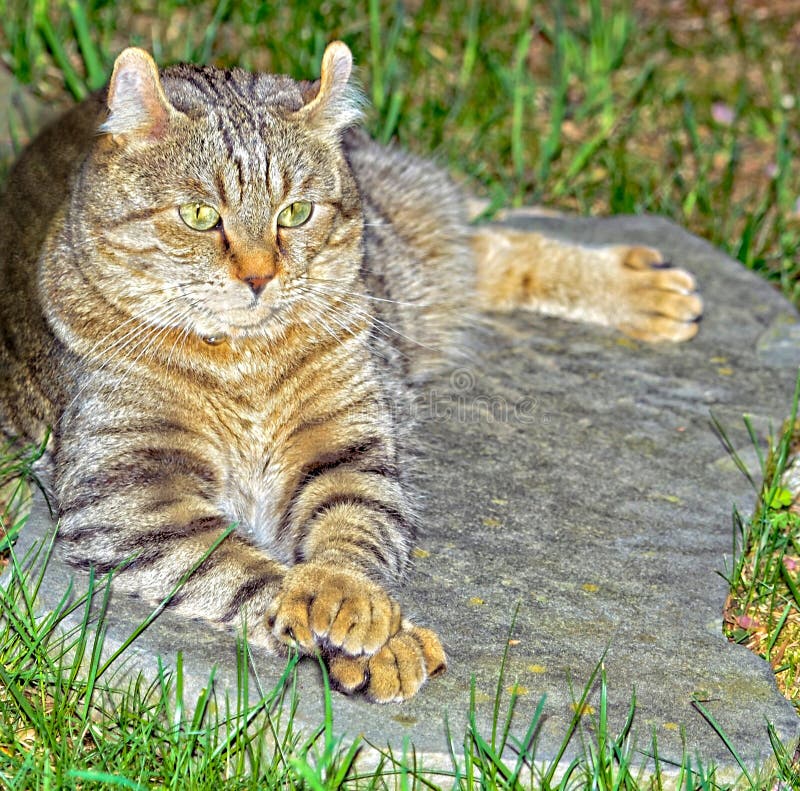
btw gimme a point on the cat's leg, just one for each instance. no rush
(627, 287)
(351, 534)
(137, 496)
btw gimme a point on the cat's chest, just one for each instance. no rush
(252, 480)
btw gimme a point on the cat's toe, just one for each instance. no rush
(658, 302)
(336, 610)
(669, 304)
(395, 672)
(641, 258)
(659, 329)
(348, 674)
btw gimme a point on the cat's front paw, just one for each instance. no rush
(658, 302)
(338, 610)
(396, 672)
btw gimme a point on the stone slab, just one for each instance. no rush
(576, 476)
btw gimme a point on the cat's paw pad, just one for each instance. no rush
(396, 672)
(337, 610)
(659, 302)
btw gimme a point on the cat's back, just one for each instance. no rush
(39, 181)
(418, 259)
(38, 187)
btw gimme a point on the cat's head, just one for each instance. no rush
(220, 202)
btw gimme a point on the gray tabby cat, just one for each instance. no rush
(210, 280)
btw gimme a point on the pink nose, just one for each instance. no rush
(257, 282)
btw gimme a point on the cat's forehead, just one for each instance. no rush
(245, 140)
(235, 93)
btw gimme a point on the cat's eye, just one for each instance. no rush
(199, 216)
(294, 214)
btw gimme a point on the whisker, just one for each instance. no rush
(183, 336)
(133, 318)
(164, 313)
(326, 308)
(332, 288)
(145, 347)
(354, 306)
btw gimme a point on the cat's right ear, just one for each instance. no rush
(336, 104)
(137, 104)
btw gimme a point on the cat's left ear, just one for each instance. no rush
(337, 103)
(137, 104)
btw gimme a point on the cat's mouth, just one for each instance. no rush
(232, 316)
(229, 327)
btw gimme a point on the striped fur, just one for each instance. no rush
(249, 374)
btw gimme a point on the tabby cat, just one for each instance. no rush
(215, 292)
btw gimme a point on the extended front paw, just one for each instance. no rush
(658, 302)
(396, 672)
(339, 610)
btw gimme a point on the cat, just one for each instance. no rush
(216, 289)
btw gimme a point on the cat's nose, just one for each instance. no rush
(257, 283)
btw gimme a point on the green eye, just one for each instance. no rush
(199, 216)
(295, 214)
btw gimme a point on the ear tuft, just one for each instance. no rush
(136, 101)
(337, 103)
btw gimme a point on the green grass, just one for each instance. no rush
(601, 107)
(16, 477)
(763, 609)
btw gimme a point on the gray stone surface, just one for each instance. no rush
(576, 475)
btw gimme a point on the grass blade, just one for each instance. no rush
(45, 28)
(725, 740)
(165, 601)
(93, 62)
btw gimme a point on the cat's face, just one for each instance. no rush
(225, 206)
